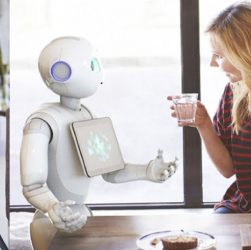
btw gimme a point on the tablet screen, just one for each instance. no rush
(97, 146)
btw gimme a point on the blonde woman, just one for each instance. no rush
(228, 137)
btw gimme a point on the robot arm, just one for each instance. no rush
(34, 171)
(156, 170)
(34, 165)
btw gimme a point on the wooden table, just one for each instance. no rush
(121, 232)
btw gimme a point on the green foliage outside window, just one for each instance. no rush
(4, 84)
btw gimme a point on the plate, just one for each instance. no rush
(205, 240)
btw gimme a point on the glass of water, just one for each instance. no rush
(185, 107)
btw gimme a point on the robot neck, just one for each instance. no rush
(69, 102)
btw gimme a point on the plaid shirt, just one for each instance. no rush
(238, 195)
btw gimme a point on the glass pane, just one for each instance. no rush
(213, 83)
(4, 104)
(138, 42)
(3, 198)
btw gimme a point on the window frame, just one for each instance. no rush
(190, 47)
(6, 115)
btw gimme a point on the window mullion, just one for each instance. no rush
(190, 49)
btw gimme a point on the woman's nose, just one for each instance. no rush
(213, 62)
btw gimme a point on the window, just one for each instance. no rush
(139, 46)
(3, 183)
(4, 119)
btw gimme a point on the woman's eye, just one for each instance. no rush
(218, 57)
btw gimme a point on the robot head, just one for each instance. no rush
(69, 66)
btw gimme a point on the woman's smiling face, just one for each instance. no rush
(219, 60)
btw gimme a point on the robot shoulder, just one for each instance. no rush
(41, 122)
(37, 126)
(47, 115)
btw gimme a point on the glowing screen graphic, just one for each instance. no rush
(99, 146)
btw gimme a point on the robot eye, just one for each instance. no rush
(95, 65)
(61, 71)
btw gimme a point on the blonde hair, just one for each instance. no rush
(231, 29)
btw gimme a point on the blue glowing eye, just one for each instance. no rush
(95, 65)
(61, 71)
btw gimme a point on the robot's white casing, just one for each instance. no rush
(51, 172)
(66, 178)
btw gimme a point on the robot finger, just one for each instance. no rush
(65, 212)
(170, 166)
(72, 217)
(164, 176)
(164, 167)
(78, 227)
(72, 229)
(81, 220)
(173, 168)
(78, 223)
(160, 154)
(61, 204)
(72, 224)
(54, 216)
(60, 226)
(174, 165)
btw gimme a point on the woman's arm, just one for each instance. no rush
(215, 147)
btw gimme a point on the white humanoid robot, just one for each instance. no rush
(55, 179)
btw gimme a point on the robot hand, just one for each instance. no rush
(65, 219)
(158, 170)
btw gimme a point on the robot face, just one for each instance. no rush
(69, 66)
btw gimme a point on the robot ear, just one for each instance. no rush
(61, 71)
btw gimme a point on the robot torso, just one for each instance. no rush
(66, 178)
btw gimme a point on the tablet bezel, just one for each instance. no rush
(76, 127)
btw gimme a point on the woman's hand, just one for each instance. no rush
(214, 146)
(201, 117)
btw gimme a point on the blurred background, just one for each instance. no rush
(4, 111)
